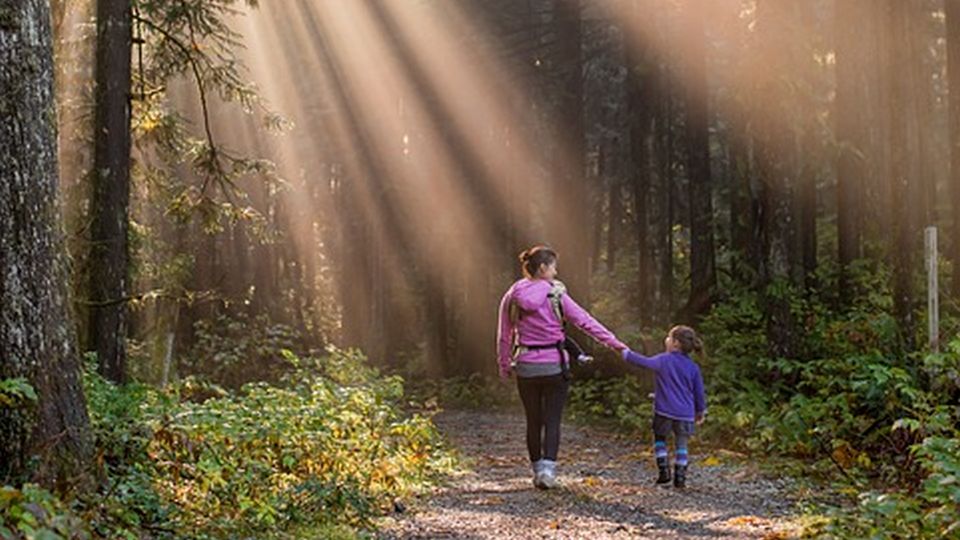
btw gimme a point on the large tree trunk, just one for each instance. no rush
(641, 103)
(111, 190)
(807, 215)
(903, 199)
(741, 222)
(703, 276)
(953, 73)
(849, 125)
(47, 440)
(773, 142)
(571, 223)
(921, 114)
(667, 211)
(614, 218)
(807, 151)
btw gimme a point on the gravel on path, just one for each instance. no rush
(607, 491)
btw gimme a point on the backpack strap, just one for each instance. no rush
(513, 311)
(556, 299)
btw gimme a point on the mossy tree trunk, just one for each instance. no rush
(45, 440)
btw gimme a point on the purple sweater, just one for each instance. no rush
(679, 393)
(538, 325)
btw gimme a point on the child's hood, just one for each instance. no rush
(530, 294)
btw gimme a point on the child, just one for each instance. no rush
(679, 400)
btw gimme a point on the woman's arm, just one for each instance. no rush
(504, 335)
(582, 320)
(649, 362)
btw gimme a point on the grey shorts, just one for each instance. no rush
(663, 427)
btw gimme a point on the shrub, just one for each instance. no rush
(325, 451)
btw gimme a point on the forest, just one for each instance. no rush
(253, 256)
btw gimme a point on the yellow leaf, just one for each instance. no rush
(591, 481)
(711, 461)
(745, 520)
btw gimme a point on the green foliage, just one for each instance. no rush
(33, 513)
(195, 42)
(932, 512)
(232, 351)
(622, 401)
(474, 391)
(16, 392)
(861, 414)
(324, 451)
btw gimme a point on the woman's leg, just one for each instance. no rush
(531, 394)
(555, 397)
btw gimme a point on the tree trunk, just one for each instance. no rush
(741, 222)
(776, 209)
(921, 113)
(703, 276)
(807, 214)
(953, 74)
(47, 440)
(111, 190)
(851, 138)
(571, 224)
(641, 94)
(438, 357)
(667, 177)
(902, 209)
(614, 218)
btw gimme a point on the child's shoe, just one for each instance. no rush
(664, 467)
(680, 476)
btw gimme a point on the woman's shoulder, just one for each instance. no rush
(527, 284)
(530, 293)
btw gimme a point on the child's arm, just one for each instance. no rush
(649, 362)
(505, 335)
(699, 396)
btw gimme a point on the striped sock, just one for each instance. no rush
(681, 456)
(660, 449)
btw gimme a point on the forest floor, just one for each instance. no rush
(607, 490)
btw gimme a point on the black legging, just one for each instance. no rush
(543, 399)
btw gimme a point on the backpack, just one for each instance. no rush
(568, 345)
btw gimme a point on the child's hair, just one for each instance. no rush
(687, 338)
(531, 259)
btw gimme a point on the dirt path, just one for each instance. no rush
(607, 491)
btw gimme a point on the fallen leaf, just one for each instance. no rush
(711, 461)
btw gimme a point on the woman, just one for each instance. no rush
(530, 345)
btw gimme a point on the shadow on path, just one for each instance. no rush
(606, 493)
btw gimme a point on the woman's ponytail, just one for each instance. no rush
(531, 259)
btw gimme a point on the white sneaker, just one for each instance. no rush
(548, 477)
(538, 473)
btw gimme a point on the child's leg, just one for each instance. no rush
(682, 431)
(661, 430)
(682, 453)
(660, 451)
